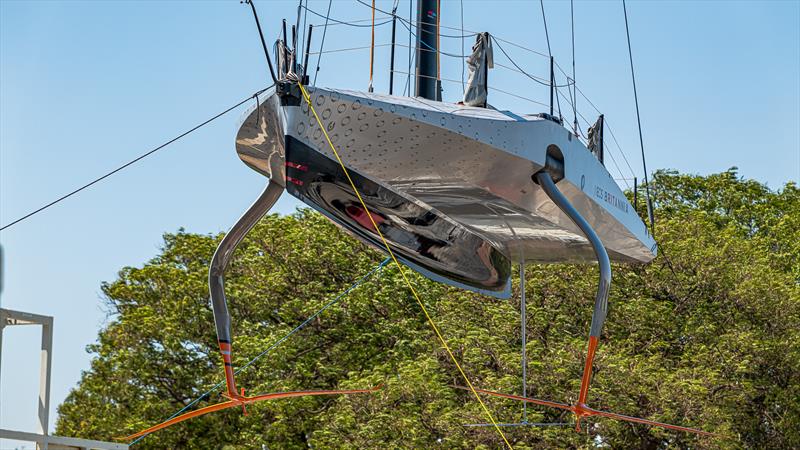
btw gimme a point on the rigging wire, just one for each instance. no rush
(522, 47)
(520, 97)
(274, 345)
(572, 98)
(606, 122)
(522, 71)
(639, 123)
(438, 47)
(372, 49)
(429, 48)
(527, 99)
(609, 128)
(296, 33)
(452, 36)
(350, 49)
(304, 23)
(410, 21)
(355, 23)
(550, 54)
(463, 61)
(610, 154)
(572, 94)
(535, 78)
(322, 44)
(614, 138)
(546, 34)
(351, 23)
(133, 161)
(407, 88)
(263, 43)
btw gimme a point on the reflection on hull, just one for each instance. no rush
(421, 237)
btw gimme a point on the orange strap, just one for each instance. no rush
(585, 411)
(587, 370)
(242, 401)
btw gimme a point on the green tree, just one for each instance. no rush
(704, 336)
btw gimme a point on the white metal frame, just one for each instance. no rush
(41, 438)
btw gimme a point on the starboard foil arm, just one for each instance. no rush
(604, 283)
(545, 179)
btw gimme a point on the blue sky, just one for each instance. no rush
(85, 86)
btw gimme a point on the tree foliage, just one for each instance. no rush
(704, 336)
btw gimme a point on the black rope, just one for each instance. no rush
(639, 123)
(322, 44)
(133, 161)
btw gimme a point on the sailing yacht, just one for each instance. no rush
(456, 191)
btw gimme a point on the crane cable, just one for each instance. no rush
(311, 108)
(639, 123)
(133, 161)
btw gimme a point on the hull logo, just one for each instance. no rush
(619, 203)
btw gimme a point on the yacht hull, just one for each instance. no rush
(451, 186)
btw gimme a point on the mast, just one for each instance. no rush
(428, 83)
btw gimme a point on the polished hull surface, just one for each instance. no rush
(451, 186)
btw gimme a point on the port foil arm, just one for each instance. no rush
(216, 275)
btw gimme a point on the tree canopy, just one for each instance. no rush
(704, 336)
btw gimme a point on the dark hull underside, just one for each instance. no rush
(420, 236)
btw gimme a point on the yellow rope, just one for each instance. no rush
(307, 98)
